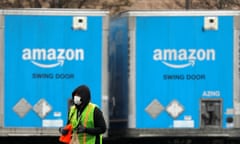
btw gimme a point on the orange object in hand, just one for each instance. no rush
(66, 138)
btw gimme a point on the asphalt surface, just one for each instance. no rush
(110, 140)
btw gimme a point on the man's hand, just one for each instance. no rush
(81, 129)
(63, 131)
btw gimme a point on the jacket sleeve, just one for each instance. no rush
(99, 123)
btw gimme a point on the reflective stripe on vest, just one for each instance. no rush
(87, 120)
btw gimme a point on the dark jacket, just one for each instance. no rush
(99, 122)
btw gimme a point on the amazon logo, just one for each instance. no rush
(183, 58)
(50, 58)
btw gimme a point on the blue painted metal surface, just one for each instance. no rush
(176, 59)
(46, 59)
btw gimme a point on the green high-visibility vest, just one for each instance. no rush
(87, 120)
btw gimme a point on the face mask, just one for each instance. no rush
(77, 100)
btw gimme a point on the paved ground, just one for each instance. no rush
(54, 140)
